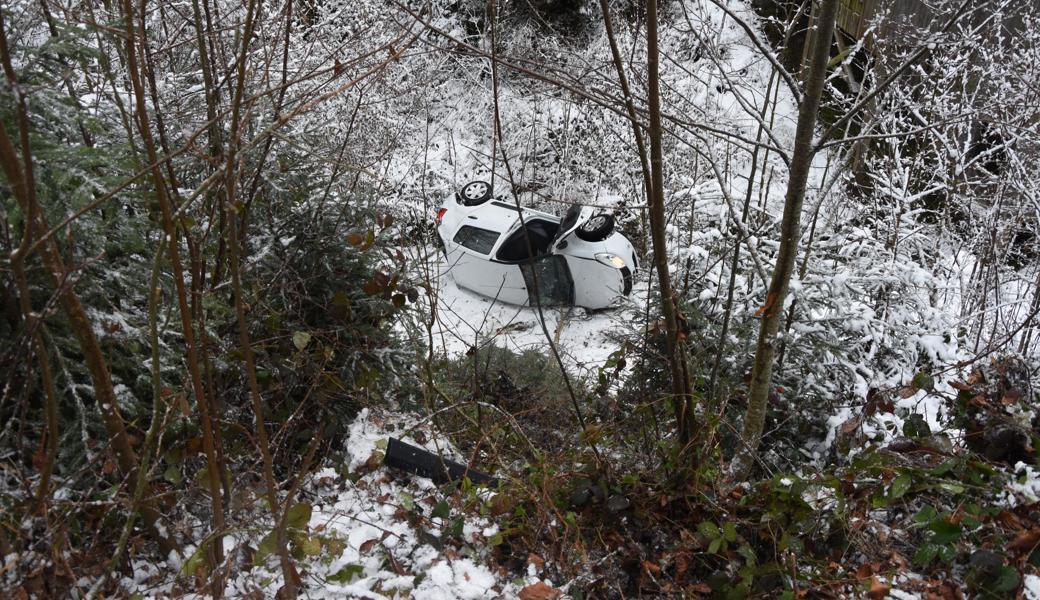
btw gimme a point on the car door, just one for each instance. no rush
(470, 264)
(572, 219)
(548, 280)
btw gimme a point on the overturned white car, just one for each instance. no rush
(577, 260)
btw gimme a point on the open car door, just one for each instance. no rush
(572, 219)
(587, 223)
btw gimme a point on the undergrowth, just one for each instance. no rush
(918, 509)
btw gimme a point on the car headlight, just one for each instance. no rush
(611, 260)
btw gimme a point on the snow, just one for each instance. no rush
(1026, 487)
(1031, 587)
(368, 434)
(462, 579)
(379, 539)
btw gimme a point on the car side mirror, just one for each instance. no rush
(561, 245)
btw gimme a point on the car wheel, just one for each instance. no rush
(597, 228)
(475, 192)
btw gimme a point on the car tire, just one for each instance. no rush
(597, 228)
(475, 193)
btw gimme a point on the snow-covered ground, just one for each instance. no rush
(373, 533)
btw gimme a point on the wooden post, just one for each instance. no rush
(808, 36)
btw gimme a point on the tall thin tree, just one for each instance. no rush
(680, 385)
(790, 233)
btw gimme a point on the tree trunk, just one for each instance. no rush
(680, 388)
(790, 231)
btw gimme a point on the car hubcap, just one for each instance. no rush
(475, 191)
(595, 223)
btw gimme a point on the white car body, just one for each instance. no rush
(488, 253)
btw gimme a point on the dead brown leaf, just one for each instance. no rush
(865, 570)
(878, 590)
(367, 546)
(373, 462)
(907, 392)
(850, 426)
(500, 505)
(1009, 519)
(540, 591)
(898, 561)
(396, 566)
(878, 402)
(943, 591)
(979, 401)
(1011, 397)
(1025, 541)
(651, 567)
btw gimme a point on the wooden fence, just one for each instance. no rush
(851, 18)
(854, 16)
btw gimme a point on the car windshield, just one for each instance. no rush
(476, 239)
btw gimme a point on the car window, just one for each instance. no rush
(476, 239)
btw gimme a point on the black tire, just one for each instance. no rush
(597, 228)
(475, 193)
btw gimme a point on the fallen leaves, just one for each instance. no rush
(1025, 541)
(878, 589)
(366, 547)
(540, 591)
(850, 426)
(651, 568)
